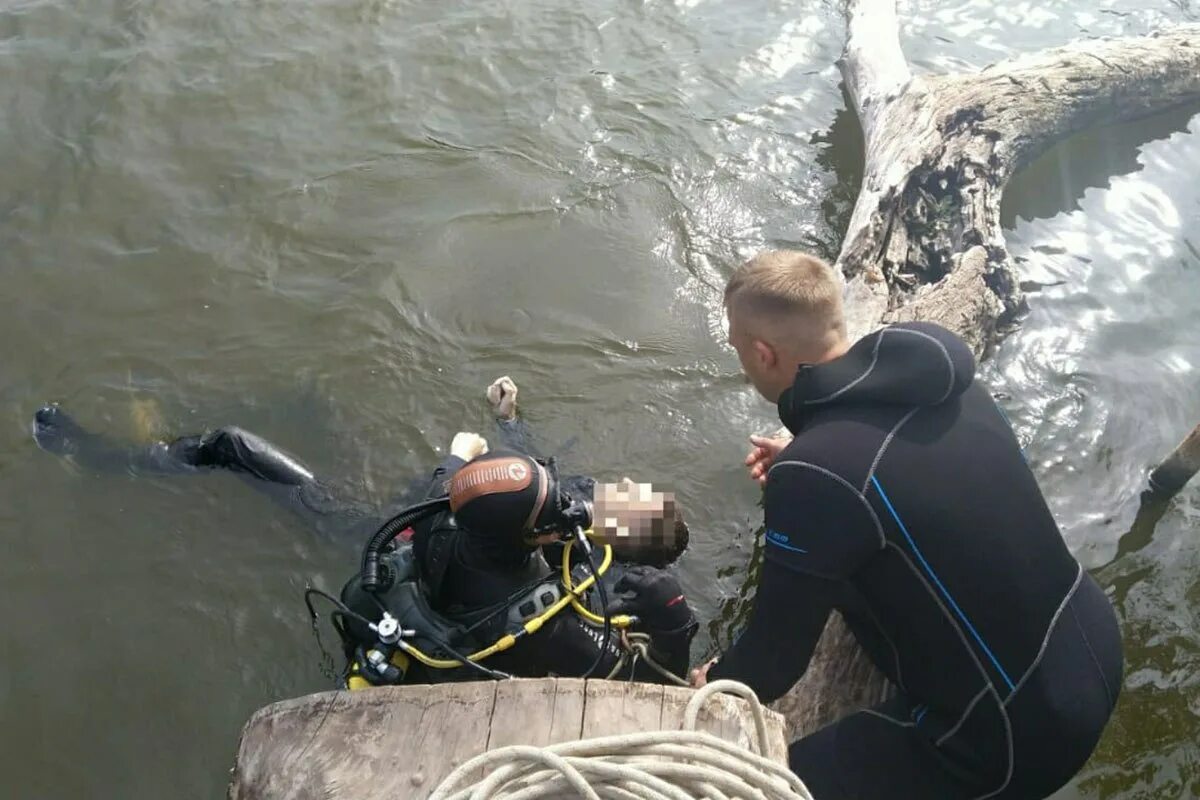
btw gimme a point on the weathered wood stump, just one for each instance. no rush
(402, 741)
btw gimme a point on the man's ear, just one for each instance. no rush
(765, 353)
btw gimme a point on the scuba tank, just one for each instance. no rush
(511, 496)
(374, 654)
(372, 658)
(386, 618)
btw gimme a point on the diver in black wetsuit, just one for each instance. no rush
(904, 501)
(461, 570)
(466, 567)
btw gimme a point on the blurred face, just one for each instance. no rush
(637, 521)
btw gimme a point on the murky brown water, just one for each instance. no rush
(334, 222)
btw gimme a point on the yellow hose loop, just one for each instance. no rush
(534, 625)
(620, 620)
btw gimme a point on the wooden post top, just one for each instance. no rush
(402, 741)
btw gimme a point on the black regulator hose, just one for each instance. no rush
(388, 531)
(583, 542)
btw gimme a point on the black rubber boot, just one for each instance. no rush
(240, 450)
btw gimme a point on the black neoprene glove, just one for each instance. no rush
(655, 597)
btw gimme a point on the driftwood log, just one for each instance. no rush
(1165, 482)
(1179, 467)
(924, 239)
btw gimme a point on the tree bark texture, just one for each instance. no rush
(925, 240)
(1179, 467)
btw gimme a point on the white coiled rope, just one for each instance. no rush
(656, 765)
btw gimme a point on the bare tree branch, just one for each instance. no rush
(1179, 467)
(1037, 99)
(939, 154)
(873, 65)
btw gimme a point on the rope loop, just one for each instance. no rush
(653, 765)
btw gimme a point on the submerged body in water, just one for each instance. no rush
(462, 572)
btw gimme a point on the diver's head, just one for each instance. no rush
(642, 525)
(511, 504)
(784, 309)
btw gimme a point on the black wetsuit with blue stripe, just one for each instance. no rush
(905, 502)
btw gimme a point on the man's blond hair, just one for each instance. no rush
(791, 290)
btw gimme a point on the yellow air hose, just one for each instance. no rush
(619, 621)
(532, 626)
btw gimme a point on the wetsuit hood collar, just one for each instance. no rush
(910, 364)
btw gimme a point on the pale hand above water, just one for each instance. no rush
(502, 395)
(467, 445)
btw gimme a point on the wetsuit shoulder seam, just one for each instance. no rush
(1037, 659)
(945, 352)
(884, 446)
(870, 368)
(842, 482)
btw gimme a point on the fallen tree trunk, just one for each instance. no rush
(1165, 482)
(924, 239)
(1178, 468)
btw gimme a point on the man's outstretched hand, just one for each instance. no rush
(763, 452)
(502, 395)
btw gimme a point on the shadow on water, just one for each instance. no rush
(1055, 181)
(840, 151)
(1150, 511)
